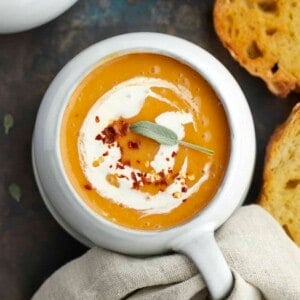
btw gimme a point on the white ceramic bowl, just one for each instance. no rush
(194, 238)
(20, 15)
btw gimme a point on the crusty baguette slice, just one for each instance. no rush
(264, 37)
(281, 187)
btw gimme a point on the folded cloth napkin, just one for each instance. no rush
(264, 261)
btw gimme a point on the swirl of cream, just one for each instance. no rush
(111, 107)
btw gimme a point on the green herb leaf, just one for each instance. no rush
(15, 191)
(8, 123)
(164, 135)
(196, 147)
(160, 134)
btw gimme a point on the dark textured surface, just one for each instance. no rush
(32, 245)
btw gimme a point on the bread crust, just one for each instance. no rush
(271, 149)
(276, 203)
(259, 44)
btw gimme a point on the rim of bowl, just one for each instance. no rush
(18, 16)
(187, 53)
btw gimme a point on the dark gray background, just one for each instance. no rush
(32, 245)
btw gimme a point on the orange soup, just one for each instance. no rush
(130, 179)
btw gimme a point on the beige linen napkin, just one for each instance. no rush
(264, 261)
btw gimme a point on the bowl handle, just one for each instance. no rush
(207, 256)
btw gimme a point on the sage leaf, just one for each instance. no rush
(164, 135)
(8, 123)
(156, 132)
(15, 192)
(196, 147)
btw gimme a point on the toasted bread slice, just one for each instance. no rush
(264, 37)
(281, 187)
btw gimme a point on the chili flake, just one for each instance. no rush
(134, 144)
(88, 187)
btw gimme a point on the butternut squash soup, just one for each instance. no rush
(128, 178)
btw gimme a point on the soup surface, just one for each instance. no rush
(125, 177)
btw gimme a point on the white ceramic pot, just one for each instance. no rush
(20, 15)
(194, 238)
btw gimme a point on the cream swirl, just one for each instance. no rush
(126, 100)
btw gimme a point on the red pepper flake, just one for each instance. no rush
(145, 180)
(123, 176)
(109, 134)
(127, 163)
(88, 187)
(97, 119)
(134, 144)
(163, 182)
(138, 161)
(105, 153)
(133, 176)
(136, 183)
(98, 137)
(174, 154)
(110, 166)
(120, 127)
(175, 176)
(162, 174)
(167, 159)
(184, 189)
(120, 166)
(184, 200)
(139, 174)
